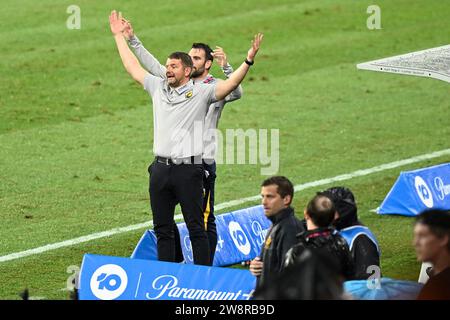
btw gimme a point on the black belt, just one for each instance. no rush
(177, 161)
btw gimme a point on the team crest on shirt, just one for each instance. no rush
(267, 243)
(188, 94)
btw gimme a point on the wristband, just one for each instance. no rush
(248, 62)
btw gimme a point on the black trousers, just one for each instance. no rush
(169, 185)
(208, 206)
(209, 219)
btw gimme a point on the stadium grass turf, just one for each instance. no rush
(76, 132)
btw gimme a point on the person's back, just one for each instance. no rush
(362, 242)
(314, 277)
(322, 237)
(326, 241)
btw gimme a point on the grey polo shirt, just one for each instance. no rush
(215, 109)
(213, 115)
(178, 116)
(211, 124)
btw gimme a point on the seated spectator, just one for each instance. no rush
(321, 236)
(432, 244)
(363, 245)
(314, 277)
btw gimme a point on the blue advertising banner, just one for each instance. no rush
(115, 278)
(419, 190)
(240, 236)
(146, 248)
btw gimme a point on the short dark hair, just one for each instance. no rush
(438, 221)
(284, 186)
(206, 48)
(321, 210)
(186, 60)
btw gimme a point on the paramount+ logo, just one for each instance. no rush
(424, 191)
(109, 282)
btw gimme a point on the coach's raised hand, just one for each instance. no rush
(116, 23)
(256, 43)
(128, 32)
(224, 88)
(220, 56)
(129, 60)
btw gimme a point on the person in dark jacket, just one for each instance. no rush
(316, 276)
(321, 237)
(362, 242)
(277, 193)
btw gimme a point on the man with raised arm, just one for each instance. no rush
(176, 174)
(202, 58)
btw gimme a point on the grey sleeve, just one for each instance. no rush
(209, 91)
(236, 93)
(146, 58)
(151, 83)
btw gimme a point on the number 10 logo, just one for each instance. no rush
(239, 238)
(424, 192)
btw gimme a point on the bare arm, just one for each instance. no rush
(224, 88)
(129, 60)
(148, 61)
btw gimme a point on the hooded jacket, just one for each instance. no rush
(363, 247)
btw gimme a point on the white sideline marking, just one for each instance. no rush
(348, 176)
(99, 235)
